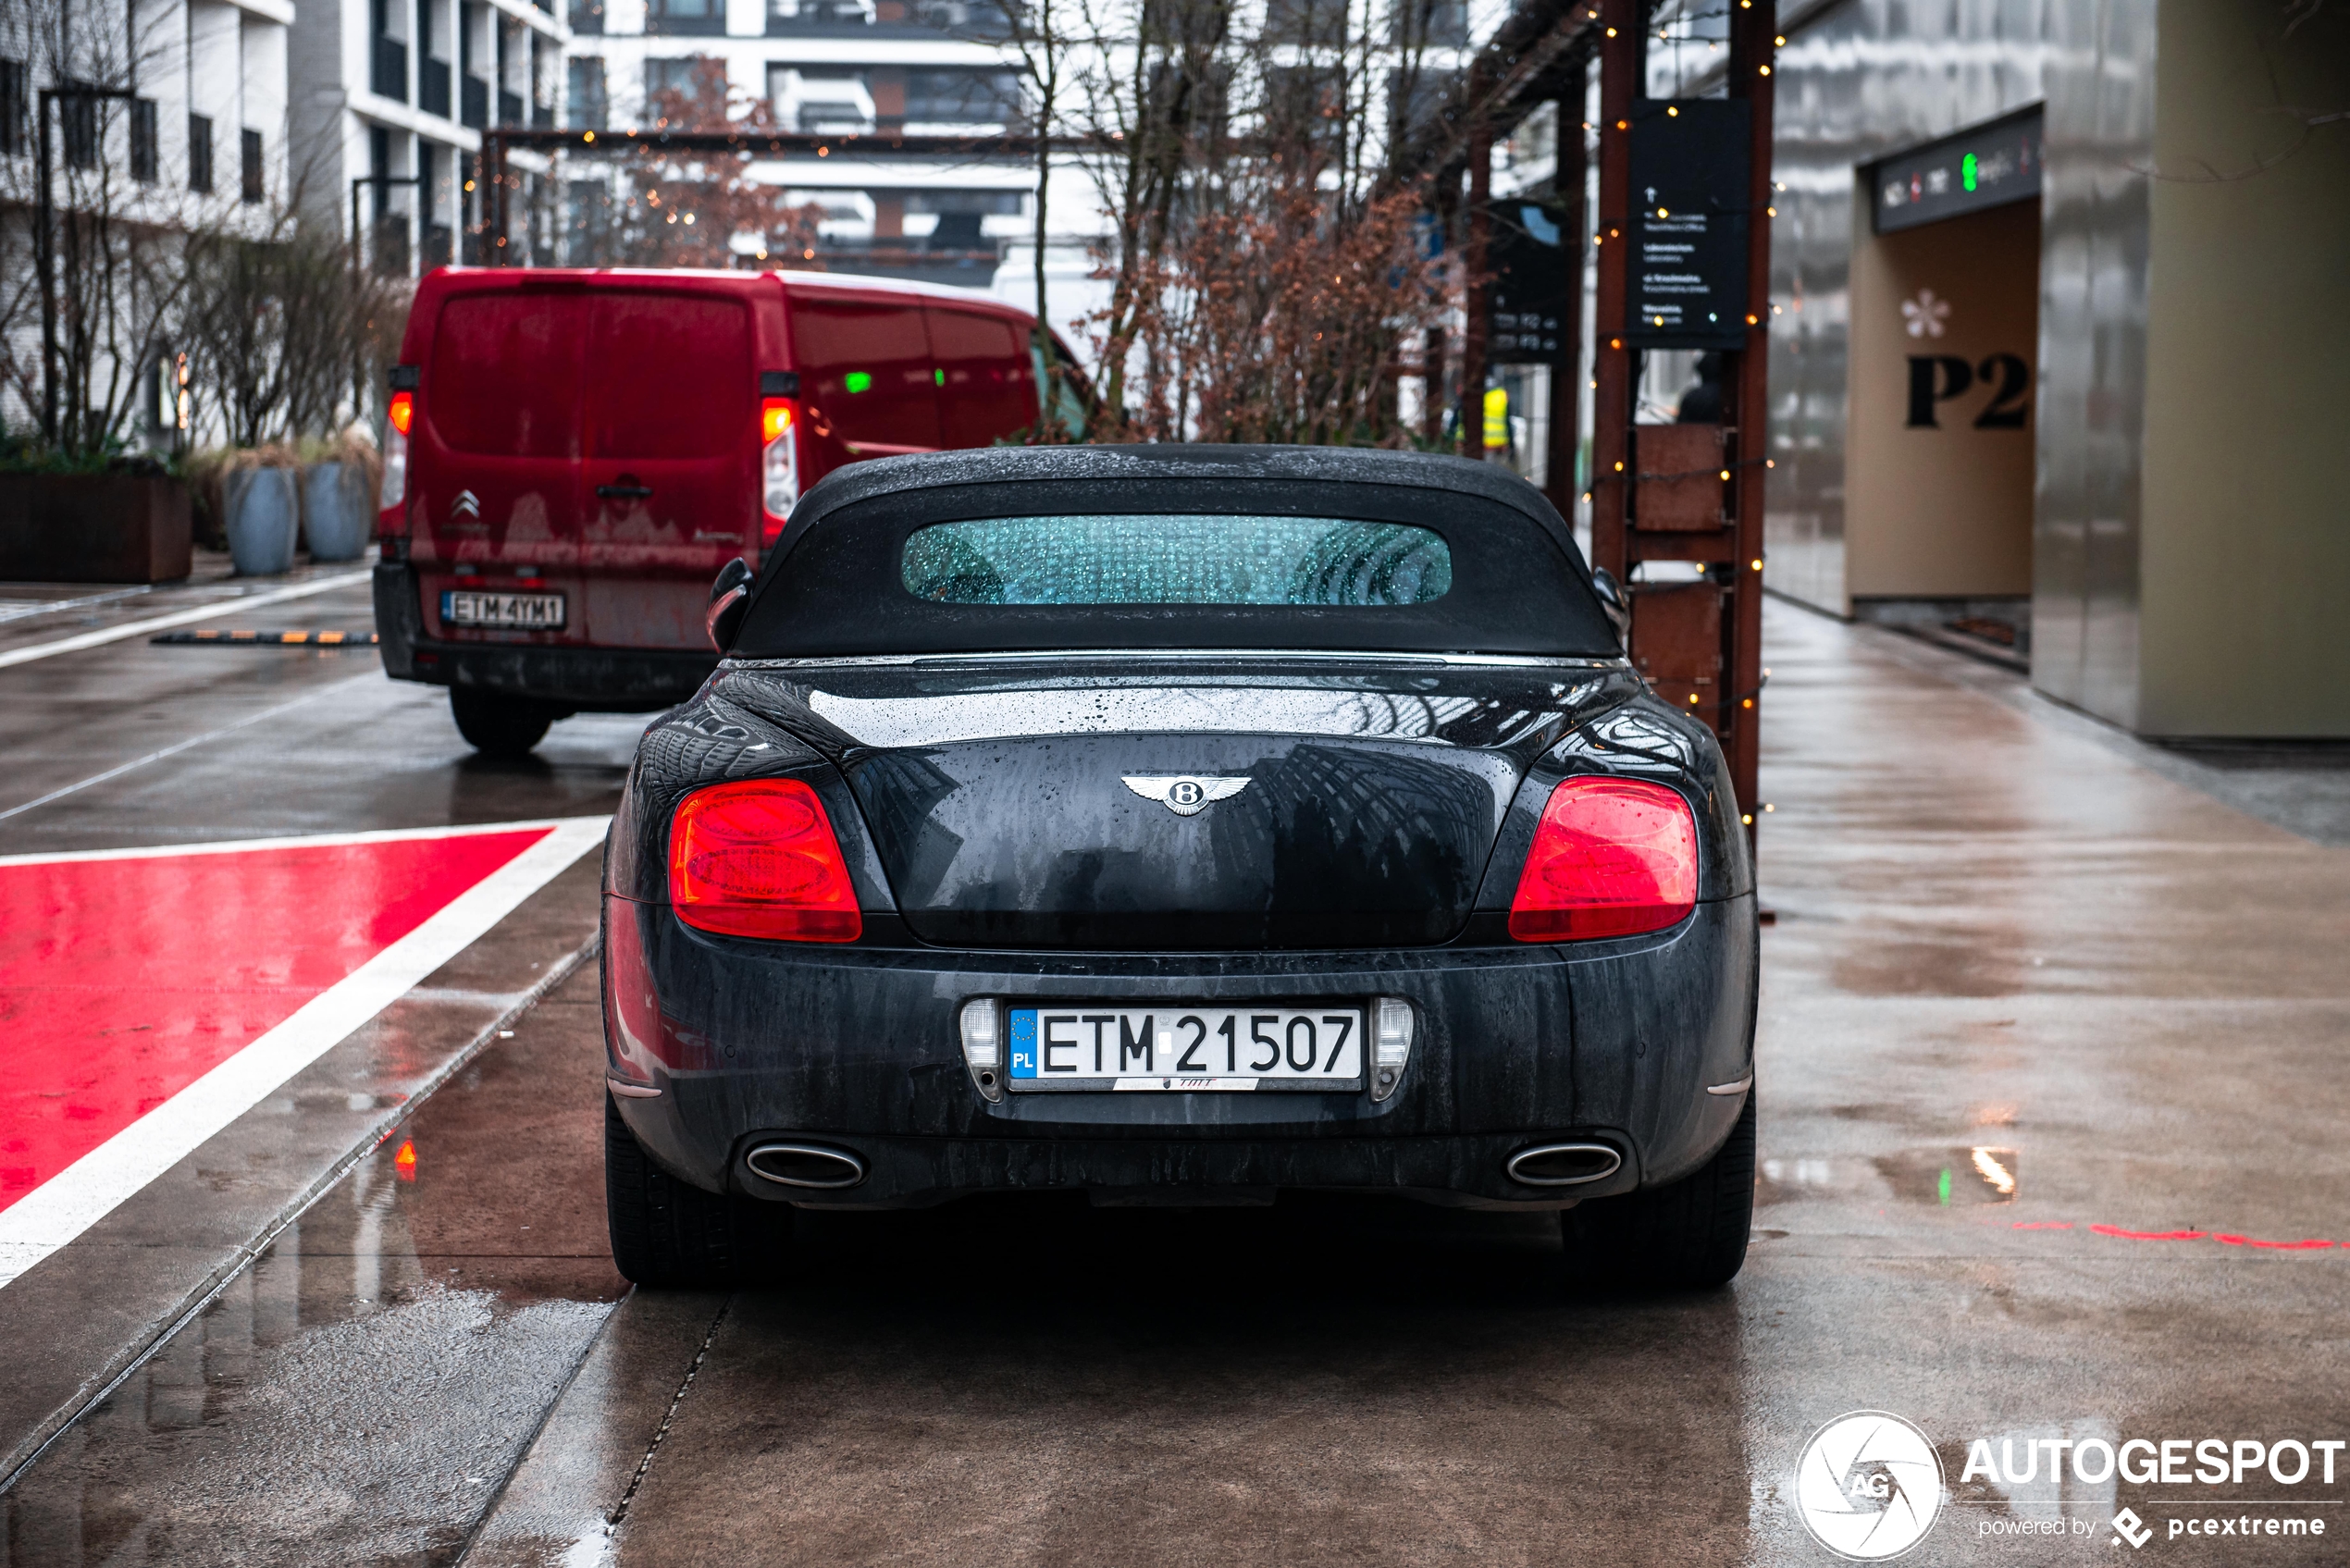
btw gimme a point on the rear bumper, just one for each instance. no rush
(583, 679)
(856, 1048)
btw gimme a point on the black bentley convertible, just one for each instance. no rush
(1177, 824)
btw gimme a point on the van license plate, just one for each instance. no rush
(538, 612)
(1186, 1049)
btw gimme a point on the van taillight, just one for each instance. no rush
(391, 514)
(1611, 858)
(758, 858)
(778, 466)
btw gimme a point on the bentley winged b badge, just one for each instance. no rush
(1180, 794)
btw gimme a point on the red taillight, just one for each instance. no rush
(778, 467)
(758, 858)
(1611, 858)
(403, 411)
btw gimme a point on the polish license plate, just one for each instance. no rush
(537, 613)
(1186, 1049)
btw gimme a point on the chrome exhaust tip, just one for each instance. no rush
(1563, 1164)
(805, 1165)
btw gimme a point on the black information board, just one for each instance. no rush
(1691, 160)
(1531, 287)
(1987, 166)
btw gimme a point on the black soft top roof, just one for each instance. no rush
(833, 587)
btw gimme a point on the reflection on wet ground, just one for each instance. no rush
(1037, 1381)
(358, 1394)
(1976, 1174)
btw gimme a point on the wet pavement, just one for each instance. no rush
(2050, 1085)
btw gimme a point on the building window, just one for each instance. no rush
(588, 18)
(199, 153)
(686, 87)
(965, 19)
(584, 105)
(685, 16)
(250, 141)
(78, 118)
(816, 16)
(142, 141)
(962, 97)
(16, 107)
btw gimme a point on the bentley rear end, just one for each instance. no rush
(1177, 825)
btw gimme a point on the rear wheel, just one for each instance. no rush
(666, 1234)
(499, 725)
(1690, 1235)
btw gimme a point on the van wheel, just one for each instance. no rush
(1690, 1235)
(668, 1235)
(498, 725)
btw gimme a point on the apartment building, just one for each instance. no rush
(390, 99)
(835, 66)
(168, 114)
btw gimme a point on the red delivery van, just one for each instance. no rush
(574, 455)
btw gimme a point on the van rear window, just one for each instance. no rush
(673, 376)
(507, 373)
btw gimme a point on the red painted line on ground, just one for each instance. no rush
(2043, 1225)
(2149, 1235)
(123, 981)
(2312, 1244)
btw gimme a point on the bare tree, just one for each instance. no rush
(1266, 265)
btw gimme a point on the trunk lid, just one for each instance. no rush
(1367, 805)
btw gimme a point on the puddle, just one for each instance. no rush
(1952, 1177)
(1959, 1178)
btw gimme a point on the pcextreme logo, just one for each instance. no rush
(1869, 1485)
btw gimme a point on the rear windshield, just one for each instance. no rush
(1180, 562)
(1157, 558)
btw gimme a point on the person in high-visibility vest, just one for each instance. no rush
(1497, 419)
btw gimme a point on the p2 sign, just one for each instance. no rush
(1936, 379)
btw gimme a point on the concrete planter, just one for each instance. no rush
(263, 520)
(336, 510)
(93, 528)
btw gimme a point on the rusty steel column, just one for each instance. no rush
(1746, 408)
(493, 161)
(1478, 295)
(1611, 362)
(1566, 377)
(1432, 386)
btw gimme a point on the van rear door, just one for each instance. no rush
(494, 461)
(668, 470)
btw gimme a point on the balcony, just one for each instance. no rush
(475, 107)
(432, 87)
(509, 108)
(388, 69)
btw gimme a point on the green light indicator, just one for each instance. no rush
(857, 381)
(1944, 1187)
(938, 379)
(1966, 171)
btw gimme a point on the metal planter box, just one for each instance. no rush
(93, 528)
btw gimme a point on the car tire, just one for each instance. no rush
(667, 1234)
(1688, 1235)
(499, 725)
